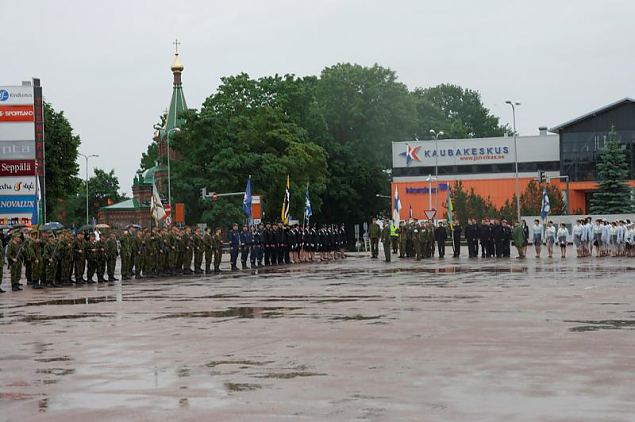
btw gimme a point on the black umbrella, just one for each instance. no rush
(87, 227)
(51, 226)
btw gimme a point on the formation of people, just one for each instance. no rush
(493, 238)
(54, 259)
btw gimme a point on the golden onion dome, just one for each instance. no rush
(177, 66)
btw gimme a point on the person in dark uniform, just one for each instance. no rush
(267, 242)
(440, 236)
(373, 234)
(483, 236)
(507, 238)
(497, 235)
(256, 249)
(456, 239)
(234, 243)
(471, 235)
(246, 242)
(386, 239)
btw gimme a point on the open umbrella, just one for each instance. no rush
(133, 226)
(102, 226)
(51, 226)
(87, 227)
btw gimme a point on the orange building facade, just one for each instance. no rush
(423, 170)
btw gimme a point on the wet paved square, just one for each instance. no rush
(353, 340)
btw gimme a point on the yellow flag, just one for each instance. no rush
(285, 204)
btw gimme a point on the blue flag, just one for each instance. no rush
(546, 207)
(308, 211)
(247, 199)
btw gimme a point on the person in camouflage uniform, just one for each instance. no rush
(79, 257)
(171, 243)
(199, 250)
(137, 253)
(37, 269)
(111, 256)
(91, 254)
(402, 239)
(126, 255)
(100, 245)
(217, 246)
(51, 260)
(14, 260)
(209, 254)
(28, 255)
(187, 251)
(66, 258)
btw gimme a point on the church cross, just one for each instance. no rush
(176, 46)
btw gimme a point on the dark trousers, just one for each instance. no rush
(244, 253)
(387, 251)
(374, 247)
(472, 248)
(441, 248)
(233, 256)
(267, 256)
(483, 248)
(457, 247)
(491, 250)
(256, 255)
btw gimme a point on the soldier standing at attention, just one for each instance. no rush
(50, 257)
(27, 256)
(234, 243)
(471, 235)
(126, 252)
(101, 259)
(402, 239)
(207, 245)
(199, 249)
(246, 241)
(14, 259)
(79, 257)
(37, 262)
(111, 256)
(91, 254)
(256, 250)
(373, 234)
(441, 235)
(67, 258)
(456, 239)
(386, 239)
(394, 237)
(188, 251)
(217, 243)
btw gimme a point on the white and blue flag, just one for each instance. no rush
(247, 200)
(546, 207)
(308, 211)
(396, 208)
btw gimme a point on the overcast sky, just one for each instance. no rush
(107, 64)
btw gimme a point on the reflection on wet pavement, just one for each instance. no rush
(355, 340)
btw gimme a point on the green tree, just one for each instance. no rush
(531, 199)
(61, 148)
(468, 204)
(458, 112)
(245, 129)
(613, 195)
(103, 190)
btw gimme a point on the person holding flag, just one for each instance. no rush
(156, 206)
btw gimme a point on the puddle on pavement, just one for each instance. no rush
(290, 375)
(55, 371)
(58, 359)
(42, 405)
(233, 387)
(215, 363)
(43, 318)
(608, 324)
(357, 317)
(76, 301)
(234, 312)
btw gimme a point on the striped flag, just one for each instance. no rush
(546, 206)
(397, 208)
(308, 211)
(450, 210)
(247, 199)
(284, 215)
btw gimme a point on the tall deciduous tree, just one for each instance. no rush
(458, 112)
(61, 148)
(103, 190)
(531, 199)
(613, 195)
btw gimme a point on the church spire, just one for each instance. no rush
(177, 104)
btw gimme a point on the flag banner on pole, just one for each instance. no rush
(396, 208)
(410, 211)
(156, 206)
(450, 210)
(545, 208)
(247, 199)
(284, 215)
(308, 211)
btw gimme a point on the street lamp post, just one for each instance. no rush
(436, 163)
(167, 138)
(86, 157)
(513, 106)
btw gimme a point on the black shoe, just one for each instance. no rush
(113, 279)
(16, 288)
(137, 277)
(2, 291)
(80, 281)
(100, 280)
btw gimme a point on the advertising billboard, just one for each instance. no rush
(462, 152)
(10, 168)
(17, 186)
(16, 113)
(12, 95)
(17, 150)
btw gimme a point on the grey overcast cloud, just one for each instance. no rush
(107, 64)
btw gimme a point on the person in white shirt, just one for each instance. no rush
(550, 238)
(563, 235)
(537, 236)
(588, 227)
(606, 239)
(597, 236)
(577, 237)
(621, 238)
